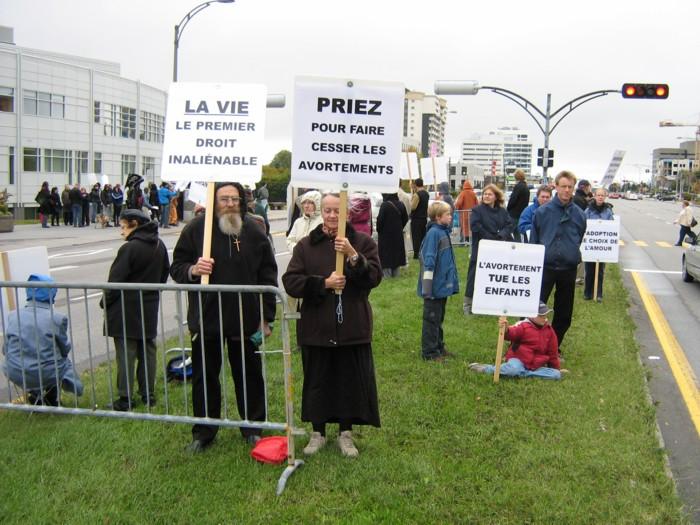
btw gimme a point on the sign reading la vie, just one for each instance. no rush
(347, 134)
(214, 132)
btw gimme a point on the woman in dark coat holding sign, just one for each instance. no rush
(489, 220)
(335, 331)
(597, 209)
(391, 219)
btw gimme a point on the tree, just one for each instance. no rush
(282, 160)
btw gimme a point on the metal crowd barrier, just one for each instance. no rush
(89, 351)
(456, 236)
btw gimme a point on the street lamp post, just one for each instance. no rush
(471, 87)
(179, 28)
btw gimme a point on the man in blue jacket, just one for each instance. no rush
(560, 225)
(544, 194)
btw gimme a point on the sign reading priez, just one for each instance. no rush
(347, 134)
(214, 132)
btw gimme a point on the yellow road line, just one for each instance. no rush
(664, 244)
(682, 372)
(643, 244)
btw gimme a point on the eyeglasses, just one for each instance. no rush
(229, 200)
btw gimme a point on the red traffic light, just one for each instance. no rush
(658, 91)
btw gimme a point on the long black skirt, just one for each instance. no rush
(339, 384)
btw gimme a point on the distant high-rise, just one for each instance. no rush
(424, 122)
(501, 151)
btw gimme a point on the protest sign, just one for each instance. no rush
(347, 134)
(508, 278)
(214, 132)
(601, 241)
(409, 165)
(433, 170)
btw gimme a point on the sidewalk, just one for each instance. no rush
(25, 235)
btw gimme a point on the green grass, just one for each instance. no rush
(454, 447)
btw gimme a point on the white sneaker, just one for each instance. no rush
(347, 447)
(316, 443)
(477, 367)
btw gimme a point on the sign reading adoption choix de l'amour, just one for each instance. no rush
(214, 132)
(601, 242)
(508, 278)
(347, 134)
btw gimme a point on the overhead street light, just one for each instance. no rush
(179, 28)
(471, 87)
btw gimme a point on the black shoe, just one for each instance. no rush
(253, 439)
(586, 298)
(678, 244)
(196, 447)
(149, 401)
(50, 397)
(32, 399)
(122, 405)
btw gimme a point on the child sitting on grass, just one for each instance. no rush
(533, 351)
(437, 280)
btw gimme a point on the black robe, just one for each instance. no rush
(391, 220)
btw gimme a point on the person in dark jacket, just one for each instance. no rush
(106, 199)
(55, 207)
(143, 258)
(491, 221)
(583, 194)
(335, 331)
(84, 207)
(419, 215)
(95, 202)
(76, 205)
(597, 209)
(242, 255)
(43, 199)
(117, 199)
(391, 219)
(519, 199)
(560, 225)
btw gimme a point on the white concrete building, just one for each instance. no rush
(459, 172)
(424, 118)
(68, 119)
(500, 152)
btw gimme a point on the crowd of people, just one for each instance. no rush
(335, 328)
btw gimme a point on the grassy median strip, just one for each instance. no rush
(454, 446)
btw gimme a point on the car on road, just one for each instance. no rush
(614, 195)
(690, 266)
(666, 196)
(631, 196)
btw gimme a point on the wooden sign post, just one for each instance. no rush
(595, 281)
(499, 351)
(208, 225)
(342, 222)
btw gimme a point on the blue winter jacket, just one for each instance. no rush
(438, 271)
(604, 213)
(164, 195)
(560, 228)
(525, 222)
(40, 347)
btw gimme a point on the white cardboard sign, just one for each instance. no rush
(409, 165)
(434, 170)
(347, 134)
(508, 279)
(214, 132)
(601, 241)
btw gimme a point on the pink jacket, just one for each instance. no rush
(535, 346)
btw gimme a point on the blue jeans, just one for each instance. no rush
(514, 367)
(432, 342)
(93, 212)
(77, 214)
(164, 215)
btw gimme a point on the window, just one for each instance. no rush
(127, 122)
(81, 162)
(11, 165)
(148, 167)
(97, 162)
(117, 121)
(97, 112)
(152, 127)
(32, 159)
(57, 160)
(128, 165)
(44, 104)
(7, 99)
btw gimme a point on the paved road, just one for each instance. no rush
(652, 267)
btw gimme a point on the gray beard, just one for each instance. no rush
(231, 223)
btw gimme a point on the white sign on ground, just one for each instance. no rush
(214, 132)
(433, 170)
(347, 134)
(508, 279)
(409, 165)
(601, 241)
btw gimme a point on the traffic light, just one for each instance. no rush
(541, 157)
(658, 91)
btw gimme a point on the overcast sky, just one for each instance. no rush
(533, 48)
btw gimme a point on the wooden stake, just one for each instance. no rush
(499, 351)
(208, 225)
(434, 177)
(342, 221)
(595, 282)
(408, 161)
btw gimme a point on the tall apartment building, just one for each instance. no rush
(499, 153)
(424, 118)
(63, 117)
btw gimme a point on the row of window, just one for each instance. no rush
(59, 161)
(117, 120)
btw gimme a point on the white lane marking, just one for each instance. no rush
(653, 271)
(88, 296)
(78, 253)
(61, 268)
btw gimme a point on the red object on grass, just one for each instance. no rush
(272, 449)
